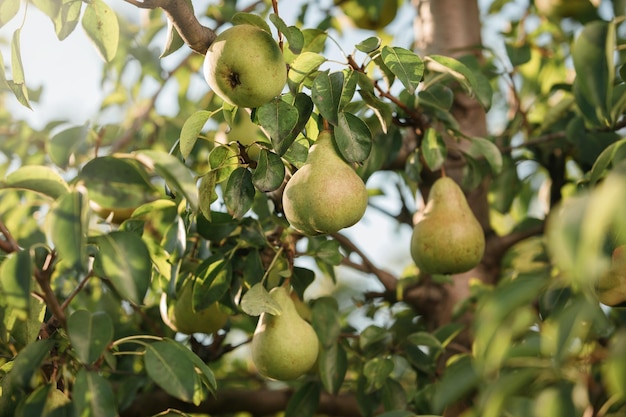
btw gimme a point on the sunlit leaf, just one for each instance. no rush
(484, 148)
(191, 130)
(67, 229)
(90, 334)
(405, 64)
(303, 66)
(174, 172)
(8, 9)
(257, 300)
(68, 142)
(29, 360)
(93, 395)
(433, 149)
(124, 259)
(214, 279)
(102, 28)
(592, 54)
(38, 178)
(16, 275)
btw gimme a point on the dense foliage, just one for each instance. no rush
(102, 223)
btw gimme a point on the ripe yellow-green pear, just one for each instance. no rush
(179, 315)
(448, 238)
(245, 66)
(611, 287)
(55, 400)
(370, 14)
(284, 346)
(582, 10)
(114, 215)
(325, 194)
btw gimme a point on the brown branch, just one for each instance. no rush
(43, 277)
(258, 402)
(9, 244)
(181, 15)
(387, 279)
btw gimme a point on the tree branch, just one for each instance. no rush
(181, 14)
(258, 402)
(8, 244)
(387, 279)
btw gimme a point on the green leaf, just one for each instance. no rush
(241, 18)
(174, 172)
(380, 108)
(214, 278)
(472, 81)
(191, 130)
(68, 142)
(171, 371)
(326, 94)
(279, 119)
(257, 300)
(102, 28)
(325, 320)
(205, 373)
(93, 395)
(67, 18)
(8, 9)
(592, 54)
(90, 334)
(376, 371)
(269, 173)
(173, 40)
(353, 137)
(304, 402)
(28, 361)
(484, 148)
(223, 160)
(293, 34)
(603, 161)
(401, 413)
(433, 149)
(405, 64)
(16, 275)
(207, 194)
(239, 192)
(301, 279)
(18, 84)
(518, 54)
(393, 395)
(117, 182)
(333, 365)
(304, 65)
(124, 259)
(369, 45)
(67, 229)
(459, 378)
(38, 178)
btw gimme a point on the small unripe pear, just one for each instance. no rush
(284, 346)
(325, 194)
(611, 286)
(180, 316)
(448, 239)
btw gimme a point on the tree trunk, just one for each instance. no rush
(452, 28)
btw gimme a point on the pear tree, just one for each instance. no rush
(304, 208)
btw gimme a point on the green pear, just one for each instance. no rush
(582, 10)
(284, 346)
(325, 194)
(245, 66)
(611, 287)
(448, 238)
(370, 14)
(180, 316)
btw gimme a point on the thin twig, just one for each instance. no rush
(387, 279)
(9, 244)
